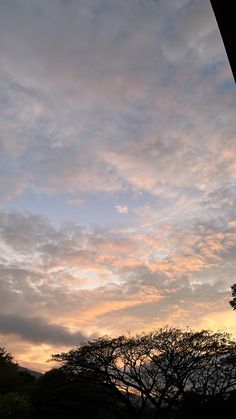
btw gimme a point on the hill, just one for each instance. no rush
(35, 374)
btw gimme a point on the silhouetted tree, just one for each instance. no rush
(157, 369)
(59, 394)
(14, 403)
(8, 372)
(100, 361)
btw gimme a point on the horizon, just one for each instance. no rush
(117, 172)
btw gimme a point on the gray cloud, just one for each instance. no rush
(38, 330)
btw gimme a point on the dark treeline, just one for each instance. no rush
(169, 373)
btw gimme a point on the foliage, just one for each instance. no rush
(59, 395)
(14, 406)
(14, 403)
(8, 372)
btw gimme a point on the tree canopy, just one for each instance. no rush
(8, 372)
(156, 369)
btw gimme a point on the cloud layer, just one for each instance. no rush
(117, 170)
(86, 282)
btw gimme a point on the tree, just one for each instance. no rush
(59, 394)
(8, 372)
(233, 301)
(157, 369)
(14, 406)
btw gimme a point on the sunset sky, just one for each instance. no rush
(117, 172)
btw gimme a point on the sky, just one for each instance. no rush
(117, 172)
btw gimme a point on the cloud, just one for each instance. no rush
(69, 270)
(37, 330)
(77, 122)
(122, 209)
